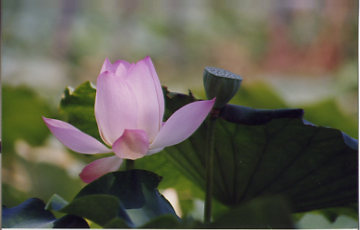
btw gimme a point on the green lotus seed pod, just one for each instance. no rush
(221, 84)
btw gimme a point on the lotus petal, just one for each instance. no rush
(75, 139)
(133, 144)
(115, 107)
(99, 167)
(182, 124)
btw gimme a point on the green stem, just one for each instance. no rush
(209, 165)
(130, 164)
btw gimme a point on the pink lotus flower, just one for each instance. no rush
(129, 110)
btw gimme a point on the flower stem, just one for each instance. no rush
(209, 164)
(130, 164)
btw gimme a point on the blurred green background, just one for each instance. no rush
(290, 53)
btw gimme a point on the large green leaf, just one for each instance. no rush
(126, 197)
(100, 208)
(78, 105)
(32, 214)
(315, 167)
(262, 213)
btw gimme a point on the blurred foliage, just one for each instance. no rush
(242, 37)
(259, 95)
(327, 113)
(21, 118)
(12, 197)
(47, 179)
(22, 110)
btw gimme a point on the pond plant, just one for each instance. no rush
(261, 166)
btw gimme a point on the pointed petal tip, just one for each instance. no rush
(47, 121)
(213, 100)
(147, 61)
(107, 66)
(207, 103)
(52, 122)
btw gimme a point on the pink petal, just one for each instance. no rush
(107, 66)
(100, 167)
(182, 124)
(115, 107)
(133, 144)
(75, 139)
(144, 81)
(158, 88)
(121, 68)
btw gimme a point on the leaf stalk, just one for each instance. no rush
(209, 164)
(130, 164)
